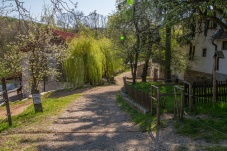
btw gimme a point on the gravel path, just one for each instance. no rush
(96, 122)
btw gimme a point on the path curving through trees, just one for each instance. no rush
(96, 122)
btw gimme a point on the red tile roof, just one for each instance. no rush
(13, 76)
(63, 35)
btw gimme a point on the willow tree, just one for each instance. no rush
(88, 61)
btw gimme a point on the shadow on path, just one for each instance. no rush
(96, 122)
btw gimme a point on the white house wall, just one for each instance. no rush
(203, 64)
(222, 61)
(51, 84)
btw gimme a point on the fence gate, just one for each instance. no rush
(188, 94)
(155, 95)
(179, 103)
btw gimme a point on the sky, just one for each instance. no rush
(103, 7)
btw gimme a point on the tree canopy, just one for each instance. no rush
(90, 59)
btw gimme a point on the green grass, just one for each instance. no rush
(14, 103)
(209, 126)
(169, 99)
(51, 106)
(201, 148)
(205, 118)
(145, 122)
(213, 148)
(217, 110)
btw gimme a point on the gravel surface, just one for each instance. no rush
(96, 122)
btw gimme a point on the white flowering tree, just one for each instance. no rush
(42, 53)
(10, 61)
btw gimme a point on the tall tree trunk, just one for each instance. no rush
(144, 74)
(35, 93)
(168, 55)
(146, 65)
(137, 50)
(131, 66)
(135, 68)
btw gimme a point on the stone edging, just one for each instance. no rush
(132, 103)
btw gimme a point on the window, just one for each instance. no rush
(224, 45)
(191, 52)
(204, 53)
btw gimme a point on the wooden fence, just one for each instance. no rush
(191, 94)
(202, 92)
(138, 96)
(147, 79)
(179, 103)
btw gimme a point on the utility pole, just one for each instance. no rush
(214, 98)
(214, 78)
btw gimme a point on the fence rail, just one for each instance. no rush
(147, 100)
(179, 103)
(138, 96)
(202, 92)
(191, 94)
(147, 79)
(8, 92)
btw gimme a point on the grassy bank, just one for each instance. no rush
(51, 106)
(206, 122)
(145, 122)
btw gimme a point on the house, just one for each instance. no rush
(154, 70)
(201, 56)
(47, 84)
(140, 66)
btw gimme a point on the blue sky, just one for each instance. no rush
(104, 7)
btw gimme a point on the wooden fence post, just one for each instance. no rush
(182, 104)
(190, 97)
(194, 92)
(151, 100)
(6, 99)
(158, 107)
(175, 102)
(124, 81)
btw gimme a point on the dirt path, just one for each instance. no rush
(15, 109)
(96, 122)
